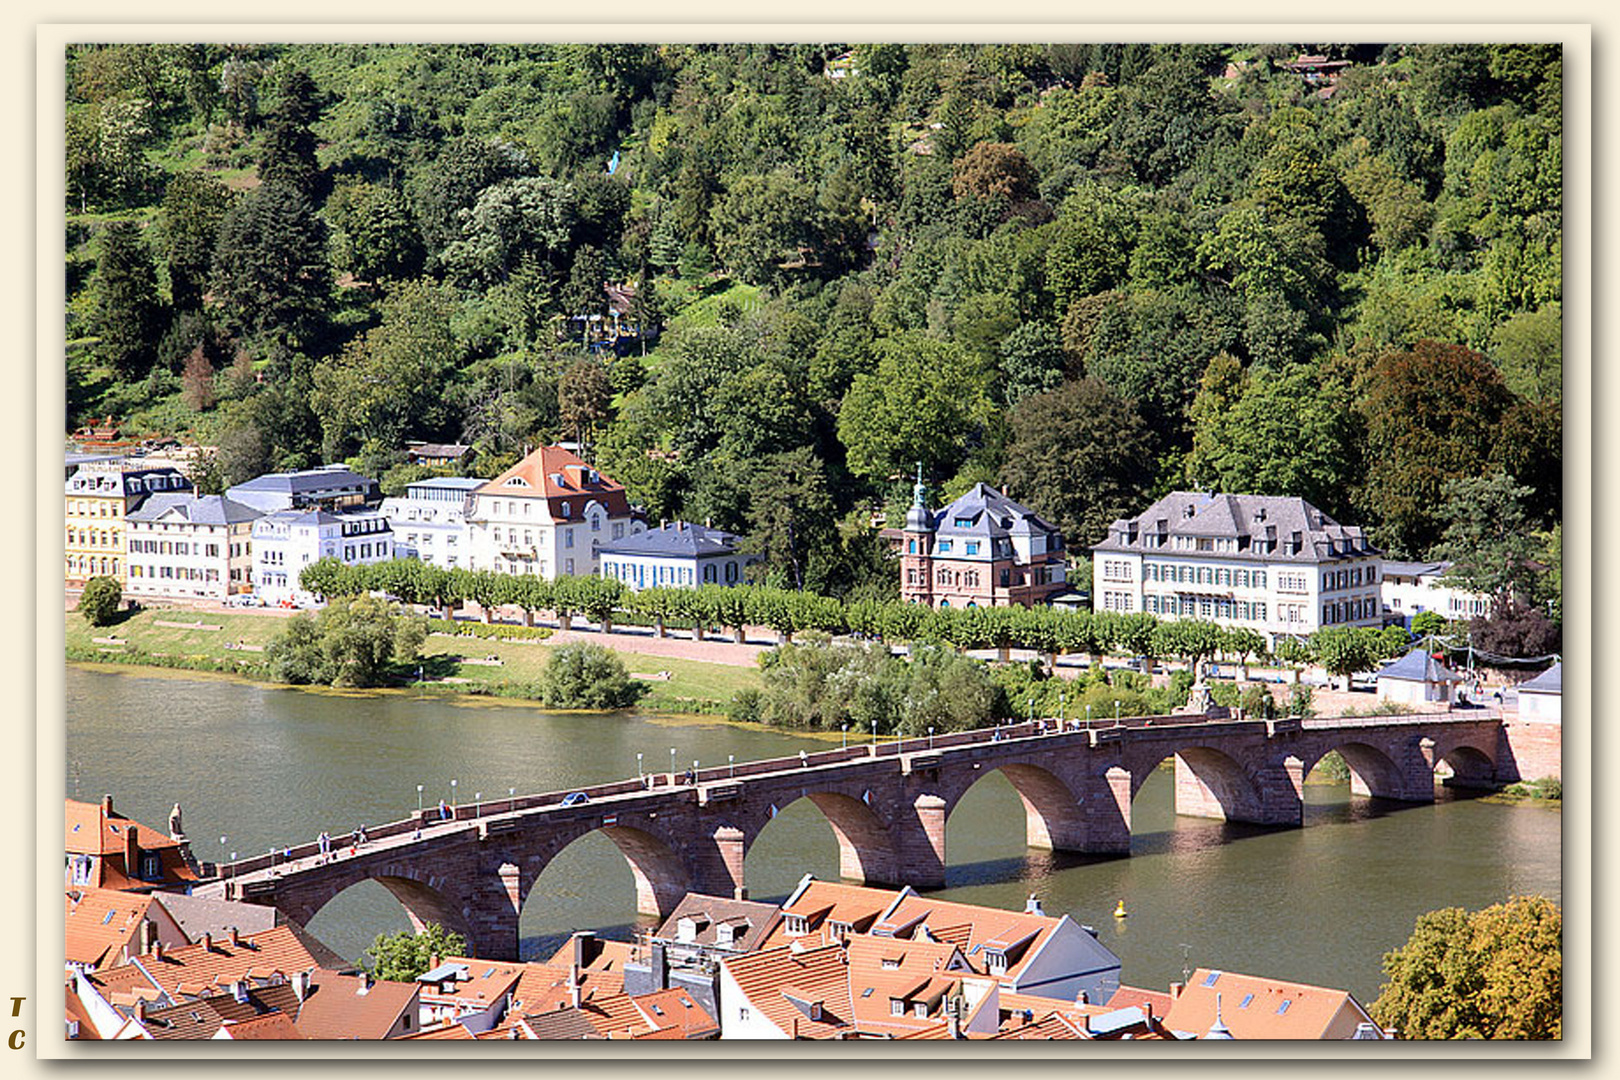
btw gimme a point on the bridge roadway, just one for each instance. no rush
(887, 804)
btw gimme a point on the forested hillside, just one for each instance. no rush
(1088, 273)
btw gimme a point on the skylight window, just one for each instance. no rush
(1283, 1007)
(1209, 980)
(1244, 1004)
(107, 918)
(867, 992)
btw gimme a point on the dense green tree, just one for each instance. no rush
(1079, 457)
(287, 144)
(918, 404)
(271, 274)
(405, 956)
(1032, 362)
(526, 217)
(1491, 974)
(194, 207)
(790, 515)
(100, 601)
(1487, 537)
(584, 398)
(1284, 436)
(1431, 415)
(389, 385)
(468, 165)
(129, 317)
(374, 237)
(761, 224)
(581, 675)
(1528, 350)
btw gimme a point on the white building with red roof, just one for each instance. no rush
(547, 515)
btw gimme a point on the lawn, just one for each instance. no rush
(693, 686)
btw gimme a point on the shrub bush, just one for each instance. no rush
(587, 676)
(100, 601)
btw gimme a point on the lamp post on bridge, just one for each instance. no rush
(511, 799)
(1088, 716)
(478, 797)
(233, 866)
(1060, 710)
(418, 801)
(930, 738)
(731, 766)
(845, 729)
(638, 765)
(453, 796)
(222, 850)
(1116, 711)
(672, 764)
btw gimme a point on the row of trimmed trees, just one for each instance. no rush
(1048, 631)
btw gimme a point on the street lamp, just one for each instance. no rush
(672, 762)
(638, 765)
(233, 866)
(930, 738)
(478, 797)
(845, 729)
(222, 847)
(1060, 708)
(1116, 710)
(452, 795)
(1088, 715)
(1031, 717)
(418, 800)
(511, 795)
(731, 765)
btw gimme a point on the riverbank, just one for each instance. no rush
(232, 644)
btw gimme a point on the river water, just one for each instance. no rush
(264, 767)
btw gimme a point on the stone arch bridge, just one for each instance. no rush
(887, 805)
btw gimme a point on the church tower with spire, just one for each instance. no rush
(917, 547)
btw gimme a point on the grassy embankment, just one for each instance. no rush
(693, 686)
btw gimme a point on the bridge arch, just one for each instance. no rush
(661, 876)
(1464, 766)
(1054, 818)
(424, 897)
(865, 846)
(1210, 784)
(1373, 773)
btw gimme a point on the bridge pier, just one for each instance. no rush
(1105, 804)
(920, 843)
(718, 867)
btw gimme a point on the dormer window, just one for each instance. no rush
(795, 925)
(516, 481)
(996, 962)
(565, 508)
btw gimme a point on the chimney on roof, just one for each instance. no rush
(365, 983)
(106, 805)
(300, 985)
(573, 984)
(1080, 998)
(157, 950)
(1175, 990)
(1033, 906)
(584, 947)
(235, 936)
(208, 941)
(139, 1012)
(145, 936)
(239, 991)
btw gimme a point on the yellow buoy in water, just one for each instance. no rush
(1119, 910)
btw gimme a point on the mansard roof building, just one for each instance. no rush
(1271, 563)
(983, 550)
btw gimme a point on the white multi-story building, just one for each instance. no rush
(286, 541)
(675, 554)
(429, 520)
(184, 545)
(547, 515)
(1408, 588)
(1273, 564)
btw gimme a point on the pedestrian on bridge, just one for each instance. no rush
(444, 810)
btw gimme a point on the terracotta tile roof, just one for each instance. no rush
(882, 970)
(823, 902)
(1260, 1008)
(559, 475)
(1127, 996)
(1051, 1026)
(96, 830)
(676, 1013)
(77, 1012)
(101, 922)
(284, 949)
(817, 973)
(353, 1007)
(203, 1017)
(486, 981)
(602, 956)
(1020, 934)
(565, 1023)
(447, 1031)
(270, 1026)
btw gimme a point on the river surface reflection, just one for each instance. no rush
(264, 767)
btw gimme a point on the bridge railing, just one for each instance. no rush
(909, 744)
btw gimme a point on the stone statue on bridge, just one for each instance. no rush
(176, 831)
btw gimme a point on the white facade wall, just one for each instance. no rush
(433, 528)
(1413, 692)
(182, 559)
(283, 544)
(739, 1018)
(1275, 597)
(1407, 595)
(514, 534)
(1546, 708)
(648, 571)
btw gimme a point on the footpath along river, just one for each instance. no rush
(265, 767)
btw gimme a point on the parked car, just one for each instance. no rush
(576, 798)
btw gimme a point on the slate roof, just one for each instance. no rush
(989, 514)
(677, 540)
(1415, 569)
(1550, 681)
(1252, 520)
(198, 915)
(306, 481)
(197, 509)
(1419, 666)
(711, 911)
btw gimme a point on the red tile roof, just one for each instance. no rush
(559, 475)
(101, 922)
(354, 1007)
(96, 830)
(269, 1026)
(284, 949)
(1260, 1008)
(818, 974)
